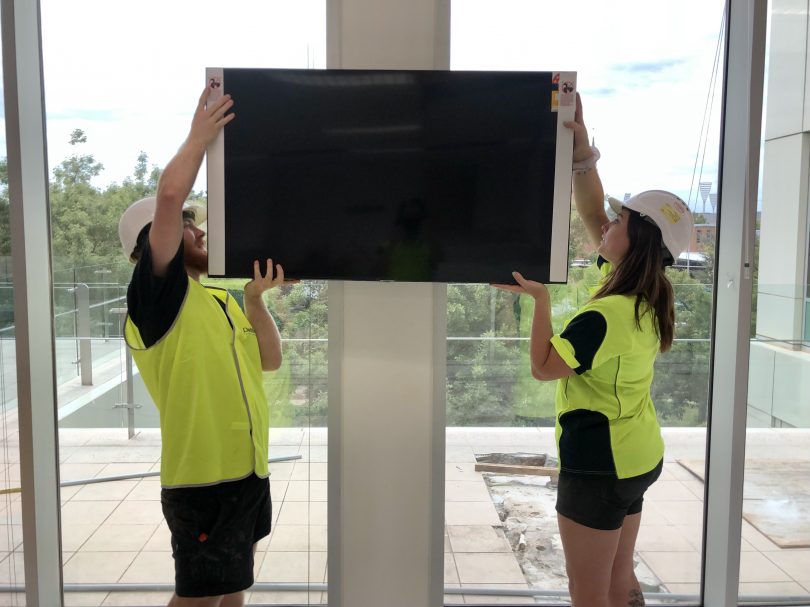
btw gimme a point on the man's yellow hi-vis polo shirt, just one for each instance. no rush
(205, 377)
(606, 421)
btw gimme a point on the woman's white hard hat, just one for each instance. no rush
(141, 213)
(666, 211)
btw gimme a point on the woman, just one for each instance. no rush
(608, 438)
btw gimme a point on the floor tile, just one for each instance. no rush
(114, 490)
(677, 567)
(488, 568)
(298, 538)
(74, 536)
(97, 567)
(461, 472)
(87, 513)
(305, 491)
(160, 540)
(137, 599)
(470, 513)
(156, 567)
(84, 599)
(302, 513)
(466, 491)
(477, 538)
(283, 598)
(145, 490)
(293, 567)
(450, 570)
(662, 538)
(772, 589)
(119, 538)
(11, 536)
(796, 563)
(670, 491)
(756, 567)
(477, 599)
(12, 569)
(682, 513)
(137, 513)
(278, 490)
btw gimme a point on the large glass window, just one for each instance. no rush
(775, 557)
(502, 536)
(121, 84)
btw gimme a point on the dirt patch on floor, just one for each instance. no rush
(525, 505)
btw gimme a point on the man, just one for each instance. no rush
(201, 359)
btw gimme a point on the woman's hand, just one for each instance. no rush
(582, 146)
(530, 287)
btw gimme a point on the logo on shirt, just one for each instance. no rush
(249, 330)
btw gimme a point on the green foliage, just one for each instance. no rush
(489, 382)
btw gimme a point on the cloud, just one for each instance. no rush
(648, 67)
(605, 91)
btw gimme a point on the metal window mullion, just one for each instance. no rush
(33, 301)
(742, 119)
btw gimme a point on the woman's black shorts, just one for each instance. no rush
(601, 501)
(213, 532)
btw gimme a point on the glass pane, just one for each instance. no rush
(502, 537)
(121, 84)
(775, 557)
(12, 568)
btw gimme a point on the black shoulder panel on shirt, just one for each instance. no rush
(585, 333)
(153, 302)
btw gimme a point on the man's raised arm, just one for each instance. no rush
(178, 178)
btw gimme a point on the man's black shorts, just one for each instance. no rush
(213, 532)
(601, 501)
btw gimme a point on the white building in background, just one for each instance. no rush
(779, 382)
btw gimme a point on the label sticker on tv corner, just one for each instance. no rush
(567, 94)
(215, 86)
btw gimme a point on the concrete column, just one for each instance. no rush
(387, 369)
(784, 227)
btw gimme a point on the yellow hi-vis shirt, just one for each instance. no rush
(205, 376)
(606, 421)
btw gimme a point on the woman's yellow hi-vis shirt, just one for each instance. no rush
(205, 376)
(606, 421)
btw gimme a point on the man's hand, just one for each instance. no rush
(582, 146)
(209, 118)
(536, 289)
(256, 287)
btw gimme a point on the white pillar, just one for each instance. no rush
(387, 369)
(33, 302)
(786, 165)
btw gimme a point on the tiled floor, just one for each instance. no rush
(113, 532)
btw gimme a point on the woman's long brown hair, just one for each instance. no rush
(641, 273)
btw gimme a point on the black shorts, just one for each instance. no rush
(213, 532)
(601, 501)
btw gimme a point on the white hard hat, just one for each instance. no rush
(665, 210)
(141, 213)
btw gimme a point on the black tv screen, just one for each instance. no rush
(427, 176)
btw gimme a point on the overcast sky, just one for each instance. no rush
(129, 74)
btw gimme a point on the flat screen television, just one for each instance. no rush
(388, 175)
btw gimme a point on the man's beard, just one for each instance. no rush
(196, 259)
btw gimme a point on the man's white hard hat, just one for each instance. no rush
(665, 210)
(141, 213)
